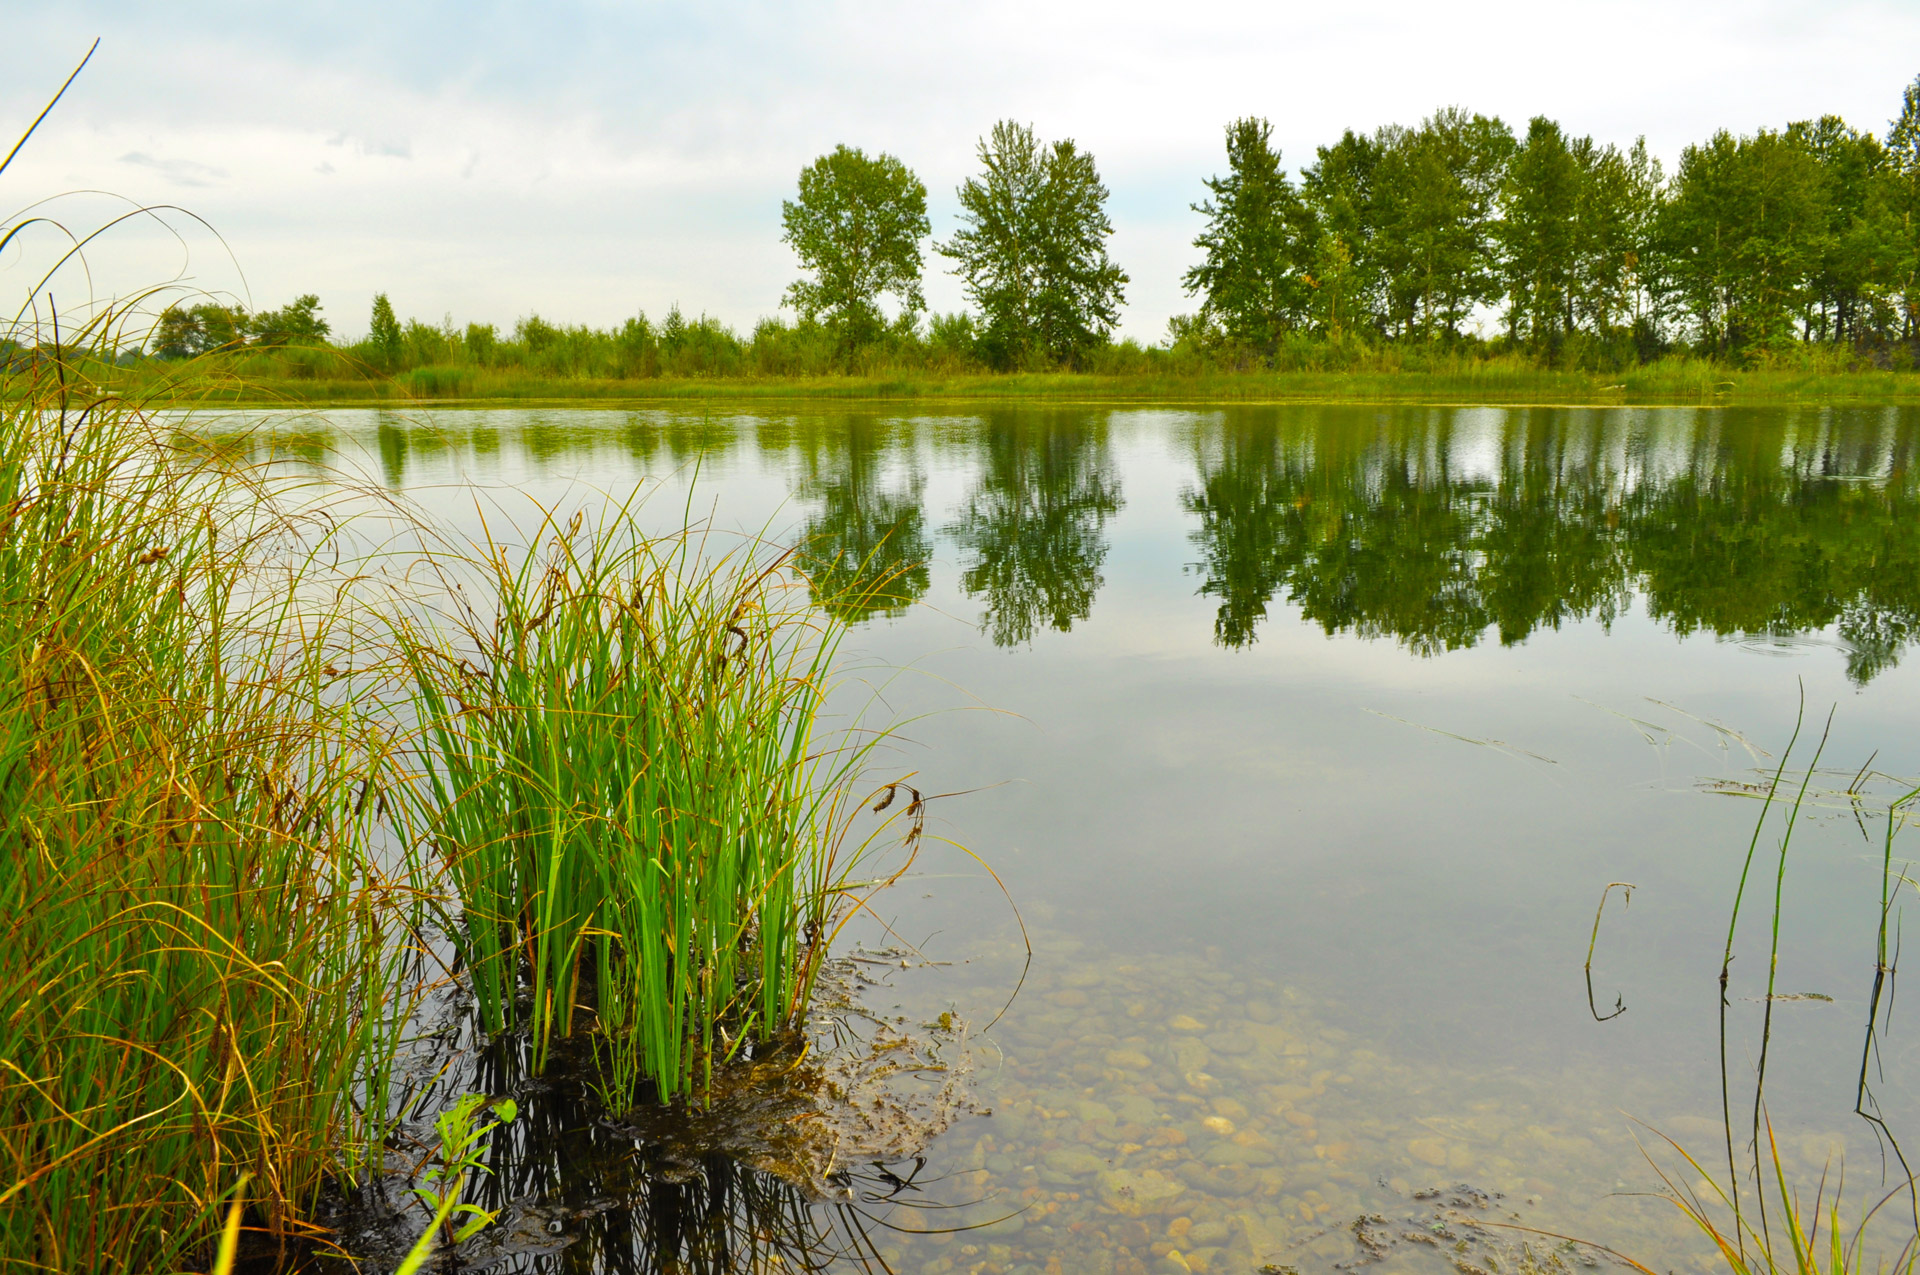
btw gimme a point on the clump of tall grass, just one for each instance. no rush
(1784, 1236)
(196, 982)
(626, 777)
(196, 985)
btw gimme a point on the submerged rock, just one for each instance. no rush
(1132, 1193)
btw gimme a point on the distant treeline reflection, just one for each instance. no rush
(1761, 528)
(1441, 528)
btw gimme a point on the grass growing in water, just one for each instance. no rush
(1780, 1231)
(195, 981)
(206, 930)
(625, 781)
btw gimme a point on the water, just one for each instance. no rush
(1305, 740)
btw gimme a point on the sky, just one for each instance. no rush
(587, 161)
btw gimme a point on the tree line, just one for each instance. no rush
(1457, 233)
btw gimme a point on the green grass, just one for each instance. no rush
(628, 786)
(197, 987)
(1754, 1218)
(212, 929)
(1120, 374)
(630, 795)
(1675, 382)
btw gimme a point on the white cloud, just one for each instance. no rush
(588, 159)
(181, 172)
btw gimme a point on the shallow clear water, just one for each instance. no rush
(1306, 740)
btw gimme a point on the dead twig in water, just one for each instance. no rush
(1619, 1002)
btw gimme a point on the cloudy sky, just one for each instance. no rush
(587, 160)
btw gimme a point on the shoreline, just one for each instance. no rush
(1498, 388)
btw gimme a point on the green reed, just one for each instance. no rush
(197, 988)
(1780, 1231)
(626, 779)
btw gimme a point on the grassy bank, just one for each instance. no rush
(238, 778)
(1673, 382)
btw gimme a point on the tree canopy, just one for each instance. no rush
(1254, 276)
(1032, 249)
(185, 331)
(857, 225)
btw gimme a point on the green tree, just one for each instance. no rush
(1573, 222)
(1253, 280)
(1619, 196)
(857, 226)
(1903, 154)
(1433, 203)
(1858, 271)
(383, 330)
(1539, 234)
(1033, 252)
(184, 332)
(1341, 271)
(481, 341)
(299, 321)
(1745, 228)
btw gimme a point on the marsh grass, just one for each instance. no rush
(1790, 1234)
(213, 937)
(314, 375)
(649, 829)
(198, 992)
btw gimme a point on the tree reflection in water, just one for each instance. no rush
(1032, 531)
(1433, 527)
(865, 551)
(1763, 526)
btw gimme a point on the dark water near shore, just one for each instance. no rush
(1306, 740)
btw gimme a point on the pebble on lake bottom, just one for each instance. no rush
(1173, 1117)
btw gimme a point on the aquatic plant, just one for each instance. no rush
(627, 777)
(1752, 1244)
(197, 990)
(462, 1142)
(1779, 1231)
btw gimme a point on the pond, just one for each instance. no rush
(1305, 740)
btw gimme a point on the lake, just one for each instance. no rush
(1305, 740)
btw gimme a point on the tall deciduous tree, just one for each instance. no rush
(1620, 195)
(1574, 217)
(1540, 235)
(1903, 152)
(1033, 249)
(1853, 286)
(1433, 202)
(1744, 230)
(857, 226)
(1343, 274)
(1253, 280)
(299, 321)
(383, 328)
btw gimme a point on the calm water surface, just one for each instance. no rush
(1306, 740)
